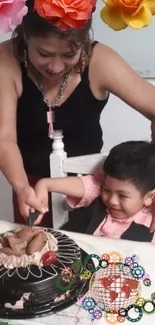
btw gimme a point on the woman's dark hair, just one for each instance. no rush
(133, 161)
(34, 25)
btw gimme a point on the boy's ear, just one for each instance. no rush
(148, 198)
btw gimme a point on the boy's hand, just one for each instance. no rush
(42, 195)
(42, 192)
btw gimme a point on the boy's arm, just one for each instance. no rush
(92, 189)
(80, 191)
(72, 186)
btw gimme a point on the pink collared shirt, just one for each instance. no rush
(109, 227)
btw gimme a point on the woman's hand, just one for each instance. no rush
(28, 200)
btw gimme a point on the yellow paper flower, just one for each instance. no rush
(119, 14)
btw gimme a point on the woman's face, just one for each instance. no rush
(51, 56)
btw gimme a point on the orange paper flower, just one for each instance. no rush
(119, 14)
(66, 13)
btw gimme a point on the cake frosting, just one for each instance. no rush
(25, 247)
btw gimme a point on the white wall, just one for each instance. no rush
(119, 122)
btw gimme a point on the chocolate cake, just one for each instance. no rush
(31, 260)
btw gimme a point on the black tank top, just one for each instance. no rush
(78, 117)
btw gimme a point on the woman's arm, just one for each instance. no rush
(117, 77)
(11, 163)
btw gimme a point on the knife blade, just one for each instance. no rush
(32, 218)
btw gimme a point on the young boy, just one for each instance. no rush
(126, 187)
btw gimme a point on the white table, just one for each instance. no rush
(98, 245)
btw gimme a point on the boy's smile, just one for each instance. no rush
(122, 198)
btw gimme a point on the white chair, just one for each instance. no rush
(60, 165)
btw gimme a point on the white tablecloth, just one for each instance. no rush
(98, 245)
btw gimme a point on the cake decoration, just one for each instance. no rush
(25, 247)
(49, 258)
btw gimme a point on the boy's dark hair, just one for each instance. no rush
(134, 161)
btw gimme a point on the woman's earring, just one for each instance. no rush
(82, 59)
(25, 58)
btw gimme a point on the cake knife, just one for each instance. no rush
(32, 218)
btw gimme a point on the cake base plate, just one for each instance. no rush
(49, 308)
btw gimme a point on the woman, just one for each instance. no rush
(47, 68)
